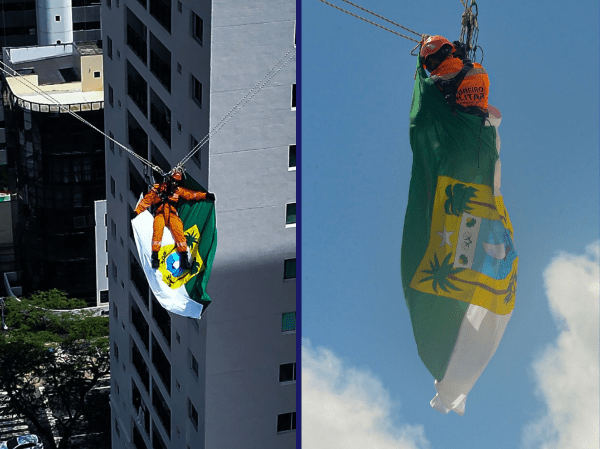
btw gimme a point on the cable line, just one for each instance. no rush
(257, 87)
(373, 23)
(64, 108)
(381, 17)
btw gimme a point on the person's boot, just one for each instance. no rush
(155, 262)
(184, 260)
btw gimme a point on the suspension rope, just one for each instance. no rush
(64, 108)
(373, 23)
(257, 87)
(383, 18)
(270, 74)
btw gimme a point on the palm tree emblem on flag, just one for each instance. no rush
(478, 265)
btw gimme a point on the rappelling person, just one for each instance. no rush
(166, 195)
(464, 84)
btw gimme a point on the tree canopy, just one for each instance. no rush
(51, 357)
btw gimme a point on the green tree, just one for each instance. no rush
(61, 354)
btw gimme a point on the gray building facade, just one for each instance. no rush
(173, 70)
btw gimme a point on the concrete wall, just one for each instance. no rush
(249, 172)
(101, 253)
(90, 66)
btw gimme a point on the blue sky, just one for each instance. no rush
(359, 351)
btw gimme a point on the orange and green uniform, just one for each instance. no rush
(166, 214)
(474, 88)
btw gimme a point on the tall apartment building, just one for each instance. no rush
(173, 70)
(56, 164)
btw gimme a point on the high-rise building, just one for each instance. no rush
(174, 69)
(56, 164)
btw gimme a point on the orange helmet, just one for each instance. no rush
(433, 44)
(177, 176)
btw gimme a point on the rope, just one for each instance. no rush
(257, 87)
(270, 74)
(381, 17)
(81, 119)
(373, 23)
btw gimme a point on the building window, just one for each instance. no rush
(286, 422)
(196, 91)
(96, 74)
(158, 158)
(160, 62)
(162, 364)
(109, 45)
(194, 364)
(111, 143)
(140, 365)
(114, 271)
(138, 441)
(137, 137)
(162, 408)
(104, 296)
(197, 155)
(290, 214)
(179, 6)
(178, 68)
(109, 4)
(112, 186)
(113, 229)
(136, 36)
(110, 95)
(193, 414)
(161, 11)
(162, 319)
(197, 27)
(137, 89)
(177, 337)
(116, 351)
(293, 97)
(160, 117)
(115, 311)
(292, 157)
(139, 408)
(139, 280)
(179, 127)
(139, 323)
(287, 372)
(157, 441)
(57, 18)
(289, 269)
(288, 322)
(117, 429)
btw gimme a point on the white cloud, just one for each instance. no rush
(567, 372)
(347, 408)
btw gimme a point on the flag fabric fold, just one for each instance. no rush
(182, 292)
(458, 260)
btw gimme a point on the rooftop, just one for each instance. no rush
(51, 74)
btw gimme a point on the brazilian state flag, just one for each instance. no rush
(181, 291)
(458, 259)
